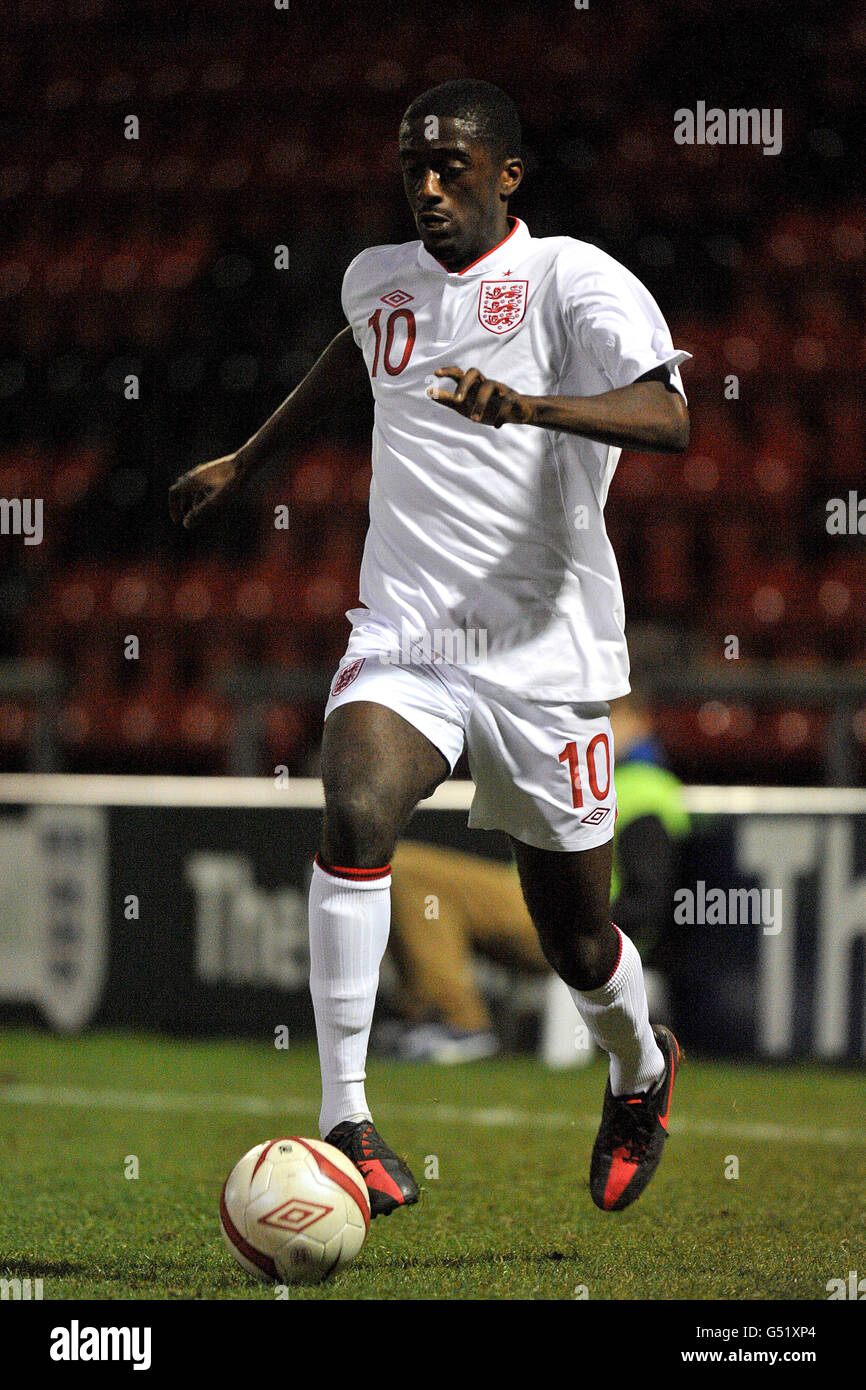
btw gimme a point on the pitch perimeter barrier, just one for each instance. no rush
(178, 905)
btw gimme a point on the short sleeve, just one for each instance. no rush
(614, 319)
(348, 297)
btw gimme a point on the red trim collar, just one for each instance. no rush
(478, 259)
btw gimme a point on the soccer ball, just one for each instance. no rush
(294, 1210)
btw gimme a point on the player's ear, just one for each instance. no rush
(510, 177)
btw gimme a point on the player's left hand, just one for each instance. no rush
(476, 398)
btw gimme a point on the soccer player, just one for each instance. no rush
(508, 373)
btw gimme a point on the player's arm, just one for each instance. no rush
(336, 379)
(648, 415)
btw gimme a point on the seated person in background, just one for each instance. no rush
(445, 905)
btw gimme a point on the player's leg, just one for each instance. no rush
(543, 774)
(567, 895)
(375, 768)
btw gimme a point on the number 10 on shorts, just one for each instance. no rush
(592, 756)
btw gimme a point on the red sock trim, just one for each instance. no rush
(619, 956)
(340, 871)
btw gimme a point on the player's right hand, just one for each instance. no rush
(200, 492)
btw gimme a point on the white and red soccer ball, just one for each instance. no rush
(294, 1210)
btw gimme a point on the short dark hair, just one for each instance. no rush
(487, 109)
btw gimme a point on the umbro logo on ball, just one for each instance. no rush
(295, 1215)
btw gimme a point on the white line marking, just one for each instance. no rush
(499, 1118)
(114, 789)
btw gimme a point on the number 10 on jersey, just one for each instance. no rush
(570, 756)
(392, 368)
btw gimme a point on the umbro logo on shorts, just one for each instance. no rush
(347, 675)
(595, 817)
(396, 298)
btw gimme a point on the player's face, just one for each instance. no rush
(457, 193)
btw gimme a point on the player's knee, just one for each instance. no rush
(360, 827)
(578, 955)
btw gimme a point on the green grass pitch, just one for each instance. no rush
(501, 1148)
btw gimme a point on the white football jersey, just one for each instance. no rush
(498, 534)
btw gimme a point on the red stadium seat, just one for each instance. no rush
(137, 593)
(668, 574)
(22, 472)
(639, 481)
(73, 600)
(204, 723)
(288, 732)
(17, 718)
(201, 594)
(317, 481)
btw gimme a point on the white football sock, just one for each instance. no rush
(617, 1017)
(350, 919)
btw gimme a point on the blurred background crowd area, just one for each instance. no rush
(258, 128)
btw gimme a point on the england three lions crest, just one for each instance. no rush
(502, 304)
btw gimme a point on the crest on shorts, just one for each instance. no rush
(502, 304)
(347, 675)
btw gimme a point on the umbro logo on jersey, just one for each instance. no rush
(595, 817)
(396, 298)
(502, 304)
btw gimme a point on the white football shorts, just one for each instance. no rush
(543, 773)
